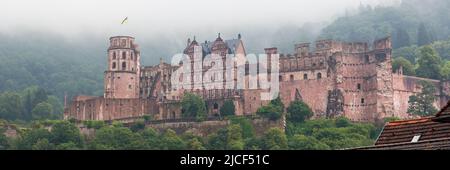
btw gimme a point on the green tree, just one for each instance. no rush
(228, 108)
(3, 140)
(445, 71)
(429, 63)
(248, 131)
(218, 140)
(278, 103)
(138, 125)
(151, 137)
(170, 141)
(234, 138)
(342, 122)
(43, 144)
(65, 132)
(42, 110)
(193, 106)
(29, 138)
(120, 138)
(275, 139)
(302, 142)
(401, 38)
(407, 67)
(67, 146)
(423, 36)
(10, 106)
(298, 111)
(195, 144)
(422, 103)
(270, 111)
(40, 95)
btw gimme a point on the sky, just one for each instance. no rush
(162, 27)
(155, 17)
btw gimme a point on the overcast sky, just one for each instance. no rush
(156, 17)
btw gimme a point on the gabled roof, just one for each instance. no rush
(432, 132)
(232, 45)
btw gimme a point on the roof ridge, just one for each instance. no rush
(418, 120)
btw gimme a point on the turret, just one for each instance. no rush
(122, 75)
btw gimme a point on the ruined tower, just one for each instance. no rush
(122, 75)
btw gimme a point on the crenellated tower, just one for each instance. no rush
(122, 75)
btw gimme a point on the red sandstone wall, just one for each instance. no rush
(405, 86)
(109, 109)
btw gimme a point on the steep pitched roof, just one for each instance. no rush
(431, 132)
(232, 45)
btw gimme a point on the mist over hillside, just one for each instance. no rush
(75, 64)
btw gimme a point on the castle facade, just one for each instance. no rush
(335, 79)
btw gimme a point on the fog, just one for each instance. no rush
(162, 26)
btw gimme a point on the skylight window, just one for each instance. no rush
(415, 139)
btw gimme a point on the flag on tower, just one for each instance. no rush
(124, 20)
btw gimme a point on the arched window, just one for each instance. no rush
(124, 55)
(124, 66)
(305, 76)
(292, 77)
(280, 78)
(358, 86)
(362, 101)
(216, 106)
(319, 75)
(114, 55)
(114, 65)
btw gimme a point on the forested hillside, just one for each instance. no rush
(413, 22)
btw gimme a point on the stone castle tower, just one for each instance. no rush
(122, 75)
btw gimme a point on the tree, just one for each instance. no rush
(302, 142)
(401, 38)
(43, 144)
(65, 132)
(42, 110)
(234, 138)
(298, 111)
(274, 139)
(342, 122)
(151, 137)
(193, 107)
(67, 146)
(422, 103)
(10, 106)
(195, 144)
(138, 125)
(3, 140)
(29, 138)
(120, 138)
(423, 36)
(40, 95)
(278, 103)
(407, 67)
(429, 63)
(228, 108)
(170, 141)
(248, 131)
(218, 140)
(445, 71)
(270, 111)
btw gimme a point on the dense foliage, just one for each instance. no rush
(318, 134)
(31, 103)
(413, 22)
(422, 103)
(193, 106)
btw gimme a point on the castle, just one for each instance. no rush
(335, 79)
